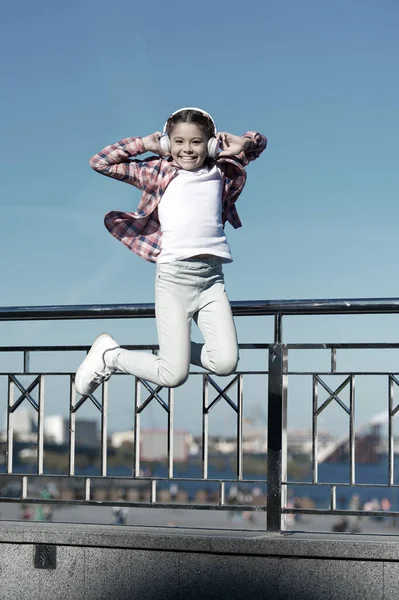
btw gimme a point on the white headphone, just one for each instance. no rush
(213, 142)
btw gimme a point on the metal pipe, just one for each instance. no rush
(240, 308)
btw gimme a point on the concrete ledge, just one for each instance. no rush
(227, 542)
(55, 561)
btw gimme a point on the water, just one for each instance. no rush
(334, 473)
(365, 474)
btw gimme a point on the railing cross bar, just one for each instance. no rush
(222, 393)
(25, 393)
(333, 395)
(154, 395)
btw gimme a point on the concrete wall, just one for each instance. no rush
(94, 562)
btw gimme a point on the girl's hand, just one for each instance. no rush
(231, 145)
(151, 143)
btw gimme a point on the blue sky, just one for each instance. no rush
(320, 210)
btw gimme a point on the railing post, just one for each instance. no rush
(276, 435)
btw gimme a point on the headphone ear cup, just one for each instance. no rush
(213, 147)
(164, 142)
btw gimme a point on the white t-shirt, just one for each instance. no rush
(190, 214)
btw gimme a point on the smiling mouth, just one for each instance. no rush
(188, 158)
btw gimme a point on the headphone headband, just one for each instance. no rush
(203, 112)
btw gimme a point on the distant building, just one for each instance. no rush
(24, 422)
(154, 445)
(56, 430)
(120, 437)
(299, 441)
(24, 425)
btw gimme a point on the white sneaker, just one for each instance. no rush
(93, 370)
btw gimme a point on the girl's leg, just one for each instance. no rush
(181, 292)
(219, 354)
(170, 367)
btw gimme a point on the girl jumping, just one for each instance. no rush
(189, 192)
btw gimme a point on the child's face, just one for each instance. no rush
(188, 146)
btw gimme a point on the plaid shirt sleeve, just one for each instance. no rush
(116, 161)
(234, 170)
(255, 149)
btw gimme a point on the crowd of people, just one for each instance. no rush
(352, 523)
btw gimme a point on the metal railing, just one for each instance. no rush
(275, 401)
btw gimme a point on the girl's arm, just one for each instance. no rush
(247, 147)
(116, 160)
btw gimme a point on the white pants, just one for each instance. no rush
(186, 290)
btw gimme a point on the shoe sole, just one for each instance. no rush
(81, 368)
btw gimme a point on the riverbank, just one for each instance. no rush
(158, 517)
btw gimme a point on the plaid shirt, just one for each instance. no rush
(140, 231)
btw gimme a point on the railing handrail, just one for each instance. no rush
(328, 306)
